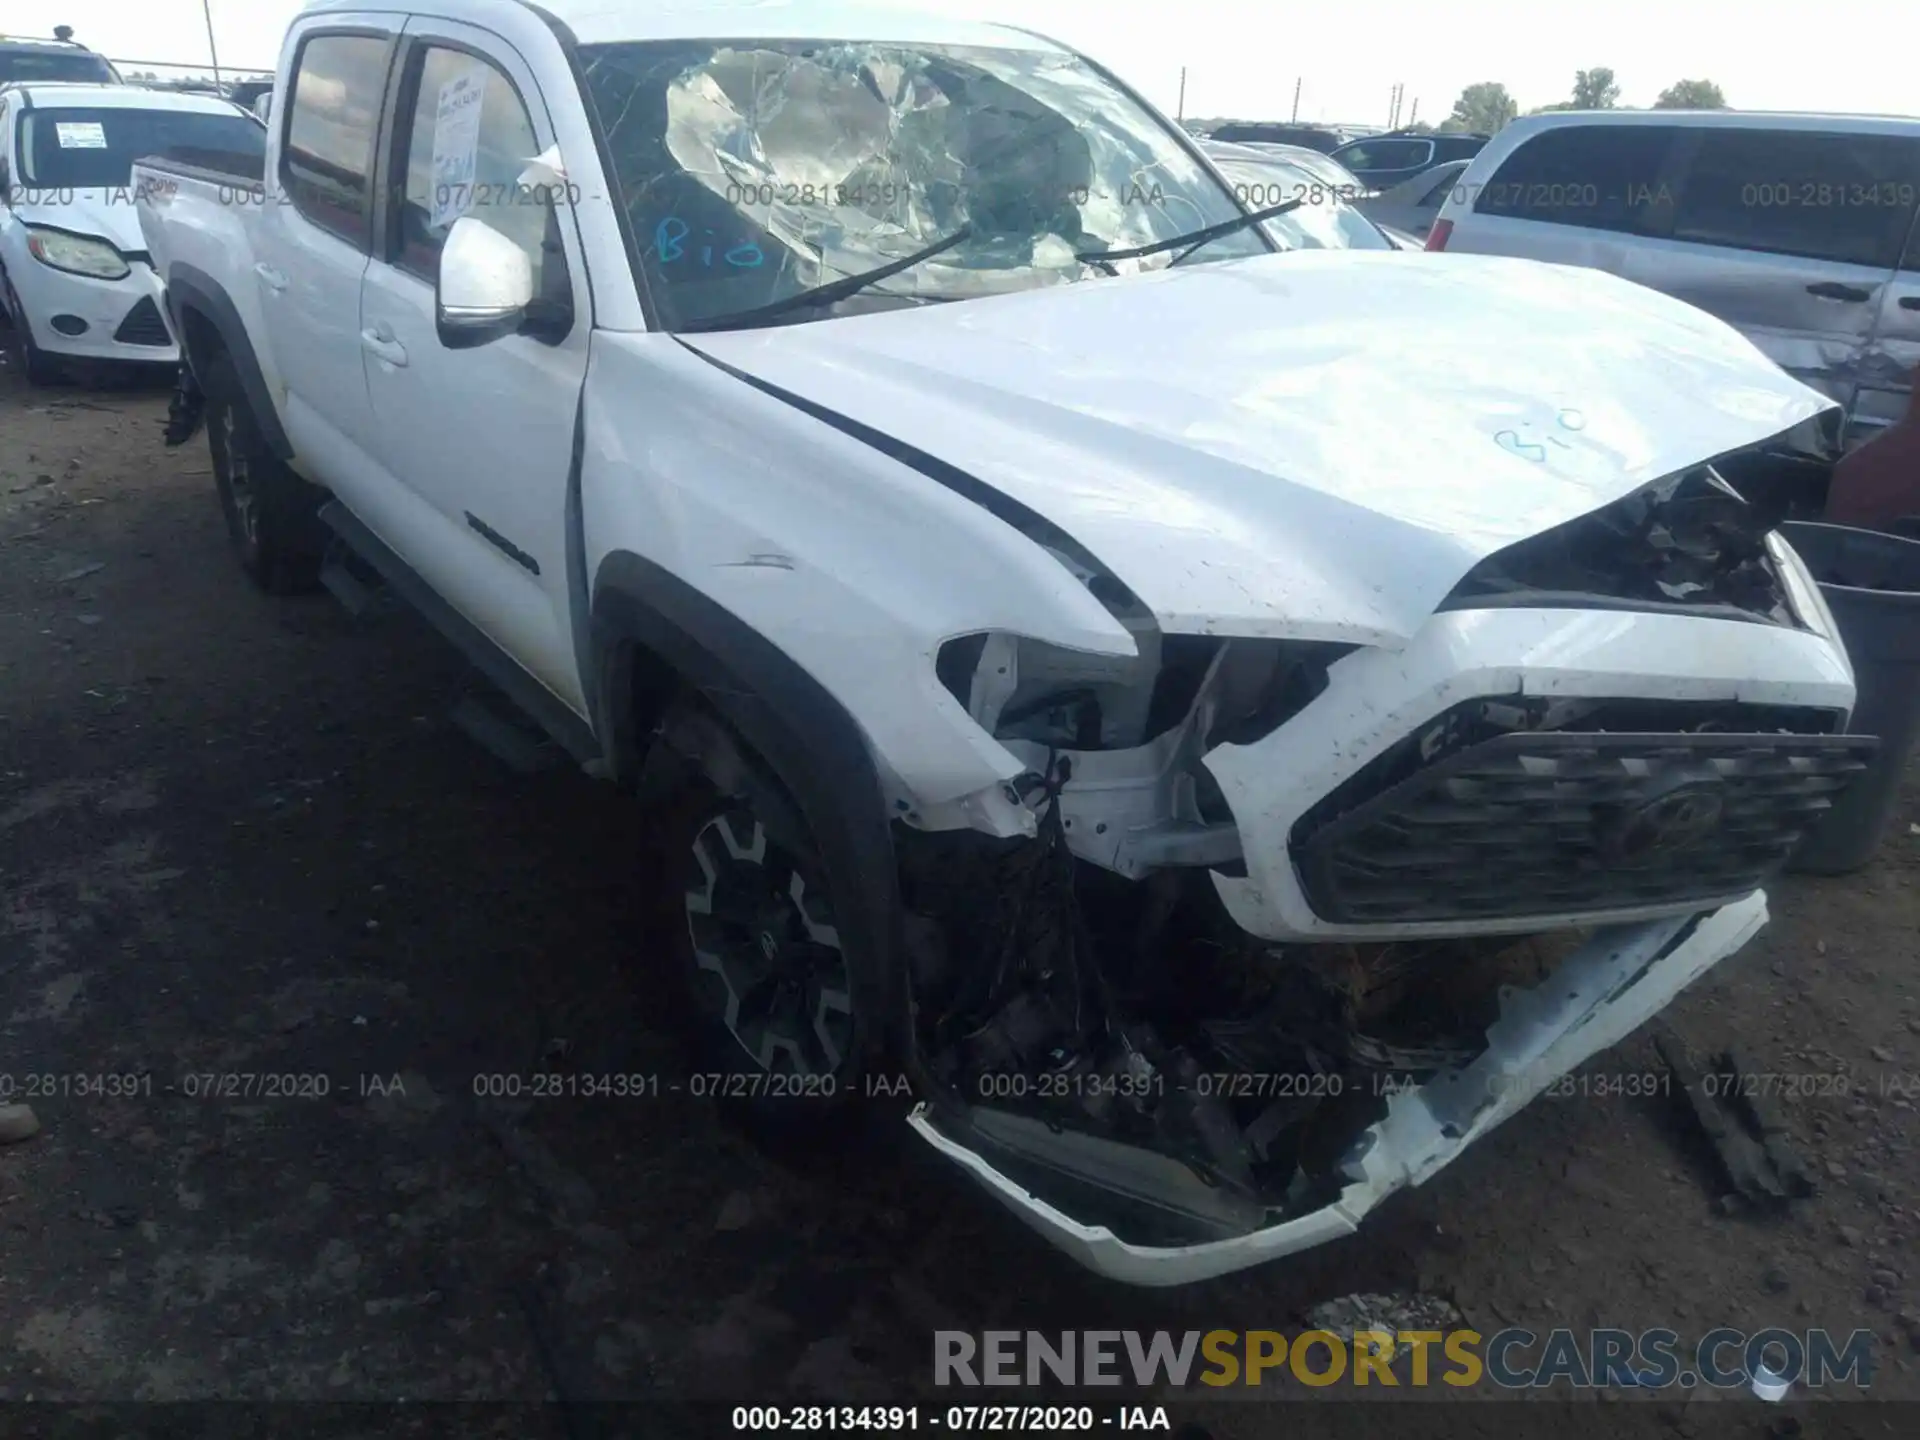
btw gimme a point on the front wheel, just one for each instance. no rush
(38, 367)
(766, 971)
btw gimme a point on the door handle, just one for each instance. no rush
(1834, 290)
(382, 346)
(270, 277)
(1910, 302)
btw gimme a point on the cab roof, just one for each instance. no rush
(602, 22)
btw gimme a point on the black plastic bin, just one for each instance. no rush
(1872, 584)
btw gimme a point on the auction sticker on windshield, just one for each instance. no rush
(80, 134)
(456, 145)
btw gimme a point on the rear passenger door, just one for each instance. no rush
(1890, 369)
(312, 239)
(1792, 236)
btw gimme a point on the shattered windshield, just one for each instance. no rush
(752, 171)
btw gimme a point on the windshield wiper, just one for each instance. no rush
(1193, 239)
(827, 294)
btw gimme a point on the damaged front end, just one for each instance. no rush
(1268, 1162)
(1300, 921)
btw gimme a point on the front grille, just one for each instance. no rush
(1552, 823)
(144, 325)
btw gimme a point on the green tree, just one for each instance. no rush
(1692, 95)
(1484, 108)
(1594, 89)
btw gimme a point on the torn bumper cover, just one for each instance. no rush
(1600, 994)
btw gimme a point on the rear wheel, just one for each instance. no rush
(272, 514)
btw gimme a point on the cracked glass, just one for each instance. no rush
(752, 171)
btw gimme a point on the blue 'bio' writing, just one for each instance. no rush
(670, 244)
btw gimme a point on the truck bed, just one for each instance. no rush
(198, 211)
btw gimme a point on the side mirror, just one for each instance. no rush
(485, 287)
(263, 108)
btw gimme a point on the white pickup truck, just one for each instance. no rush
(1229, 724)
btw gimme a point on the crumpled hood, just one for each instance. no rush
(108, 215)
(1315, 445)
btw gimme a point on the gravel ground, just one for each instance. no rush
(237, 836)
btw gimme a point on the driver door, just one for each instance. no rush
(478, 442)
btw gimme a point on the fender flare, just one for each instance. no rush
(798, 730)
(190, 288)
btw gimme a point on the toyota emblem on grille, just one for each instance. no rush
(1661, 824)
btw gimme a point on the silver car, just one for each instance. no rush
(1413, 205)
(1323, 220)
(1324, 169)
(1798, 229)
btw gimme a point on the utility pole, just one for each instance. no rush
(1393, 107)
(1296, 98)
(206, 7)
(1413, 117)
(1180, 112)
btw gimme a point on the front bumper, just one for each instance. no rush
(104, 305)
(1598, 995)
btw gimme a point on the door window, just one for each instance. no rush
(1600, 177)
(1843, 198)
(326, 165)
(1385, 154)
(469, 143)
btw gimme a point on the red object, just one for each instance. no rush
(1879, 483)
(1437, 237)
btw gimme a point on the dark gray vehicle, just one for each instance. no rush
(1383, 161)
(23, 58)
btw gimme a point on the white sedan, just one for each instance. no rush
(78, 284)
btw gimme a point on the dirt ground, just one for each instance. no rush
(237, 835)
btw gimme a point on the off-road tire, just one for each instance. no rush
(712, 849)
(272, 514)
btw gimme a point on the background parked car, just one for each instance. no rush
(1798, 229)
(1383, 161)
(246, 93)
(23, 58)
(1413, 205)
(1324, 168)
(75, 279)
(1324, 221)
(1311, 137)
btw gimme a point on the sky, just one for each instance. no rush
(1243, 57)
